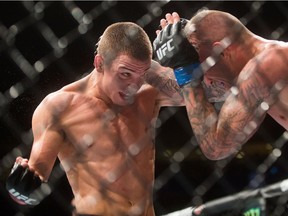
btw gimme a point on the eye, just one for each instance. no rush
(125, 75)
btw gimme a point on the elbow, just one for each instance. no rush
(217, 153)
(215, 157)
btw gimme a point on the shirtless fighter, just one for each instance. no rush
(102, 129)
(240, 69)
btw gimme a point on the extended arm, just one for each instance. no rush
(27, 176)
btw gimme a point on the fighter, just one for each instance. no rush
(102, 129)
(244, 72)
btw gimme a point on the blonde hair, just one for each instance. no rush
(124, 38)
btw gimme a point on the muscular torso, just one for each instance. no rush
(108, 154)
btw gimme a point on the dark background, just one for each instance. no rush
(46, 45)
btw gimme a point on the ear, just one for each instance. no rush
(223, 50)
(98, 63)
(218, 49)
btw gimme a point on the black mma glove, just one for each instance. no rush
(21, 183)
(172, 49)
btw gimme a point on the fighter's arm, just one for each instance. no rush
(177, 58)
(221, 135)
(27, 175)
(163, 79)
(48, 136)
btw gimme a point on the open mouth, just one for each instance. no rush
(124, 95)
(127, 97)
(129, 93)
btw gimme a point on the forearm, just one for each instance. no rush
(164, 83)
(44, 155)
(214, 138)
(163, 79)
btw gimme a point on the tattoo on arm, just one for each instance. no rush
(223, 134)
(164, 82)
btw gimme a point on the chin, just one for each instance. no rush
(124, 100)
(120, 103)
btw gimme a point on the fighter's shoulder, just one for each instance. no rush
(273, 58)
(58, 97)
(273, 51)
(279, 52)
(55, 103)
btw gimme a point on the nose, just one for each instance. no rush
(132, 88)
(137, 82)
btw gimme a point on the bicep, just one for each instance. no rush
(47, 142)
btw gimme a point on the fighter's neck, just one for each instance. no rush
(96, 90)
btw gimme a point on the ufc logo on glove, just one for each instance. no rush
(172, 49)
(161, 52)
(24, 200)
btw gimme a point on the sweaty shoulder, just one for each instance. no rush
(272, 62)
(58, 101)
(50, 110)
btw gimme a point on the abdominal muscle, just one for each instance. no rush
(109, 165)
(105, 203)
(113, 185)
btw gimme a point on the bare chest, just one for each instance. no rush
(116, 148)
(106, 131)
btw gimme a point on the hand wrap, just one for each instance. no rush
(172, 49)
(21, 183)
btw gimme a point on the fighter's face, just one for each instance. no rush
(123, 78)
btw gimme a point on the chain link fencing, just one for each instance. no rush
(46, 45)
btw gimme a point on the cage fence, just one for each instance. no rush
(45, 45)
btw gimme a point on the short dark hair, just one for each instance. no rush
(124, 38)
